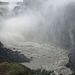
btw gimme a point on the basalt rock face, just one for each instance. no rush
(7, 55)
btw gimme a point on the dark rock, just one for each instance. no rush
(11, 56)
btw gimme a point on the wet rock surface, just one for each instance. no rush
(7, 55)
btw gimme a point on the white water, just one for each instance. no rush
(40, 21)
(37, 21)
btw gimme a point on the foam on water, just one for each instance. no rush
(46, 21)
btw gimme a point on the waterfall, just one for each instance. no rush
(46, 21)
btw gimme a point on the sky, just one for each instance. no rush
(11, 0)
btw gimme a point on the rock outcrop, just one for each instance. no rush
(7, 55)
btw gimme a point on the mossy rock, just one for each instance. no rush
(19, 69)
(13, 69)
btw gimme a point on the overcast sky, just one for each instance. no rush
(11, 0)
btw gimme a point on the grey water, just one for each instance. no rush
(46, 21)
